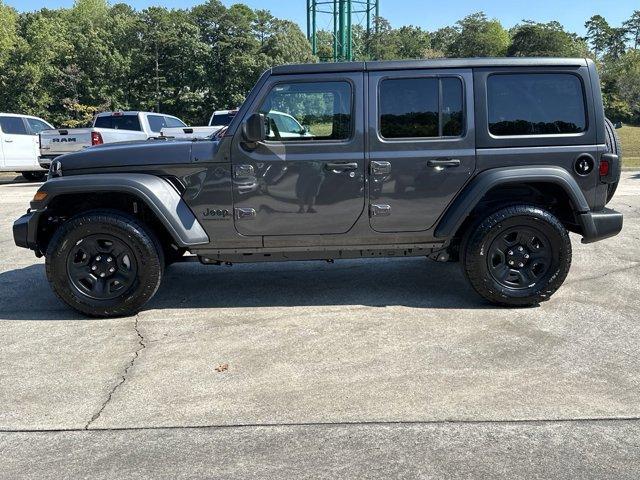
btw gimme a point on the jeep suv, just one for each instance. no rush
(488, 162)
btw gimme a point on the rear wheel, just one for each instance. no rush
(104, 264)
(613, 146)
(518, 256)
(34, 176)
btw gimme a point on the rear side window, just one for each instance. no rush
(37, 125)
(421, 107)
(222, 119)
(119, 122)
(535, 104)
(13, 126)
(174, 122)
(156, 123)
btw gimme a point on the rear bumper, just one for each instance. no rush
(25, 230)
(600, 225)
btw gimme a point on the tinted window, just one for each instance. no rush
(37, 125)
(13, 126)
(411, 107)
(156, 123)
(223, 119)
(174, 122)
(118, 122)
(308, 111)
(535, 104)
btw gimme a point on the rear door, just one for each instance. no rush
(308, 176)
(422, 145)
(19, 146)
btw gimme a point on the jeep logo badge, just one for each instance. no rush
(216, 214)
(584, 165)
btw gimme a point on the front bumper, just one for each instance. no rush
(600, 225)
(25, 230)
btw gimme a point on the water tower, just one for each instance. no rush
(338, 17)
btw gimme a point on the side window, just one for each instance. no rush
(37, 125)
(421, 107)
(308, 111)
(535, 104)
(13, 126)
(173, 122)
(156, 123)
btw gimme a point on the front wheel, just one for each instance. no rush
(518, 256)
(104, 263)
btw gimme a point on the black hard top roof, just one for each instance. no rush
(434, 63)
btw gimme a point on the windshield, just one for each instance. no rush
(118, 122)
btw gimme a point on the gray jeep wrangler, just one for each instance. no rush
(489, 162)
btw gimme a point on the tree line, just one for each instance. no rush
(67, 64)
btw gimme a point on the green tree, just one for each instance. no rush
(545, 40)
(479, 37)
(633, 27)
(598, 34)
(412, 42)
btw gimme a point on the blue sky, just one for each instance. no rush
(430, 14)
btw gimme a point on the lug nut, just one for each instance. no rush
(109, 259)
(521, 265)
(520, 249)
(94, 268)
(102, 275)
(98, 258)
(510, 252)
(116, 282)
(511, 262)
(526, 255)
(111, 270)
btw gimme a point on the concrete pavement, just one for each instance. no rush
(360, 369)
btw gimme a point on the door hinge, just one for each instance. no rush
(379, 210)
(377, 167)
(245, 213)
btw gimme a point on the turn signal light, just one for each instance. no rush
(96, 138)
(604, 168)
(39, 196)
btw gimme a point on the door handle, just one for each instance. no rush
(8, 140)
(341, 166)
(444, 162)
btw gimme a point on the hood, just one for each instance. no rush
(133, 154)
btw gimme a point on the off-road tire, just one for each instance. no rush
(34, 176)
(613, 146)
(478, 244)
(127, 229)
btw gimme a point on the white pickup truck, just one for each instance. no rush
(108, 127)
(19, 149)
(219, 120)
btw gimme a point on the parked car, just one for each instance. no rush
(108, 127)
(19, 148)
(488, 162)
(219, 120)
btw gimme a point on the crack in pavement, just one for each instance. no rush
(141, 346)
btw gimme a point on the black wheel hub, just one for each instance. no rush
(519, 257)
(101, 267)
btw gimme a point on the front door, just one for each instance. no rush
(308, 176)
(18, 145)
(422, 145)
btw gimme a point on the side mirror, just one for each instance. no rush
(254, 129)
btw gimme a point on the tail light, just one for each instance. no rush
(96, 138)
(604, 167)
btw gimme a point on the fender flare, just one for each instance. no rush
(156, 193)
(469, 197)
